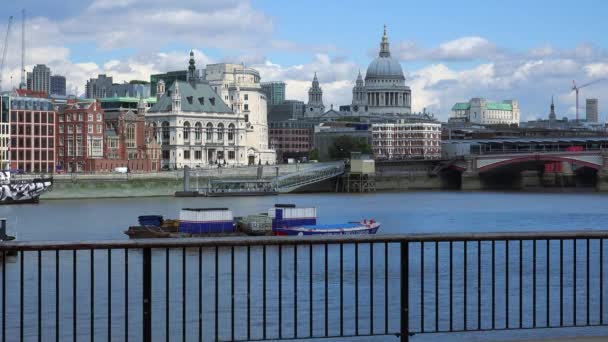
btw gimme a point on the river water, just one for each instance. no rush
(411, 212)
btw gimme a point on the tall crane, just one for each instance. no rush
(22, 84)
(576, 88)
(5, 48)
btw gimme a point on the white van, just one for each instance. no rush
(121, 169)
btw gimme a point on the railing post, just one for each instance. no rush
(147, 294)
(405, 274)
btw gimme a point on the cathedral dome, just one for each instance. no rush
(384, 66)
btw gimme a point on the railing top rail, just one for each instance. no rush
(297, 240)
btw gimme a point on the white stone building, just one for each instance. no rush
(406, 140)
(198, 125)
(484, 112)
(239, 87)
(384, 92)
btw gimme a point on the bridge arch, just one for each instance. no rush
(538, 158)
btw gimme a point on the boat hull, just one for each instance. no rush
(362, 229)
(20, 192)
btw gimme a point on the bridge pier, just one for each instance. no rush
(531, 179)
(470, 176)
(602, 174)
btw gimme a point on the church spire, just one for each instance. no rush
(552, 115)
(384, 51)
(191, 68)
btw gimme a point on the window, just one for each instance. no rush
(79, 117)
(186, 130)
(230, 132)
(165, 154)
(90, 117)
(189, 98)
(201, 100)
(198, 155)
(246, 97)
(231, 155)
(187, 154)
(90, 128)
(220, 132)
(246, 107)
(165, 130)
(212, 101)
(209, 131)
(198, 131)
(99, 117)
(130, 141)
(61, 129)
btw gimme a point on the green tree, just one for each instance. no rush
(345, 144)
(313, 154)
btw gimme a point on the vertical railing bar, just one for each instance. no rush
(325, 297)
(547, 283)
(534, 283)
(386, 288)
(371, 288)
(280, 276)
(126, 294)
(232, 320)
(421, 287)
(200, 294)
(356, 289)
(478, 284)
(295, 291)
(74, 297)
(561, 282)
(21, 321)
(39, 296)
(464, 286)
(507, 284)
(167, 268)
(217, 295)
(521, 283)
(493, 284)
(248, 292)
(587, 288)
(574, 282)
(92, 260)
(405, 265)
(436, 286)
(310, 294)
(264, 292)
(602, 281)
(109, 294)
(341, 289)
(4, 295)
(451, 285)
(56, 295)
(147, 294)
(184, 294)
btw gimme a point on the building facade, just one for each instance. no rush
(275, 92)
(5, 133)
(383, 92)
(315, 107)
(239, 87)
(33, 135)
(484, 112)
(168, 78)
(289, 109)
(58, 86)
(406, 140)
(98, 87)
(292, 138)
(39, 80)
(80, 135)
(591, 106)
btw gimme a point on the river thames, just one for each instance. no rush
(399, 213)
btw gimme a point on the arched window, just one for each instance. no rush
(198, 131)
(130, 135)
(209, 131)
(165, 129)
(220, 132)
(230, 132)
(186, 130)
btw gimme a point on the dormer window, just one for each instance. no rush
(212, 101)
(189, 98)
(201, 100)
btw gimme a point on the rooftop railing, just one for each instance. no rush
(258, 288)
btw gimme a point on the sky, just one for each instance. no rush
(450, 51)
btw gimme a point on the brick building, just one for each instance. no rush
(291, 138)
(32, 133)
(80, 135)
(406, 140)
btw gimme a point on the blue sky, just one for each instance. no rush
(450, 51)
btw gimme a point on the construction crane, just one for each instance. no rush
(5, 48)
(22, 84)
(576, 88)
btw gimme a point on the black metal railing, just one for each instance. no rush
(258, 288)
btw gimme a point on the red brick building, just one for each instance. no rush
(291, 138)
(32, 134)
(80, 135)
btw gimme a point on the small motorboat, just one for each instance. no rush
(351, 228)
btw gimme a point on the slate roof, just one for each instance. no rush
(196, 97)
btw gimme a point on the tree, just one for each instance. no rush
(313, 154)
(345, 144)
